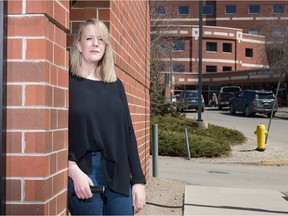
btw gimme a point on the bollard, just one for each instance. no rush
(155, 150)
(187, 144)
(261, 134)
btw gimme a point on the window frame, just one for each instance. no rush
(157, 10)
(215, 43)
(183, 6)
(281, 6)
(226, 67)
(211, 66)
(249, 52)
(233, 6)
(178, 41)
(178, 66)
(224, 51)
(254, 6)
(206, 7)
(254, 30)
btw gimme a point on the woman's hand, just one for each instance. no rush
(81, 181)
(138, 197)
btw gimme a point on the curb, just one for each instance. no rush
(274, 162)
(255, 163)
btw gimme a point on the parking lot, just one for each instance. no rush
(278, 135)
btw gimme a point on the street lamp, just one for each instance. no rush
(199, 119)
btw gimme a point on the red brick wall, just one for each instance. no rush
(36, 107)
(129, 25)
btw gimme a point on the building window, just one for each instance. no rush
(178, 45)
(279, 32)
(254, 31)
(227, 47)
(211, 69)
(230, 9)
(278, 9)
(178, 68)
(183, 10)
(249, 52)
(227, 68)
(254, 9)
(211, 47)
(160, 10)
(208, 10)
(161, 67)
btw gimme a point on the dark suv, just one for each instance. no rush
(253, 101)
(191, 97)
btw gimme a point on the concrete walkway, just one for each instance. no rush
(206, 200)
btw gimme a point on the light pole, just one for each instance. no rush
(171, 75)
(199, 119)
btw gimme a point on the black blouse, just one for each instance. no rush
(99, 120)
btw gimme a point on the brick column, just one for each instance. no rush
(37, 107)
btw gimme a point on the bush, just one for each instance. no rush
(214, 141)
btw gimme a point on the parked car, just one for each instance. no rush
(191, 97)
(227, 92)
(251, 102)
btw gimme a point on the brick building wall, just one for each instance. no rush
(241, 28)
(36, 102)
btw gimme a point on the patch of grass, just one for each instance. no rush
(214, 141)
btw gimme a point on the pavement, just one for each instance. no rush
(209, 200)
(282, 113)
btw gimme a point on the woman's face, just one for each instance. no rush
(91, 45)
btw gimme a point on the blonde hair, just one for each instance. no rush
(106, 64)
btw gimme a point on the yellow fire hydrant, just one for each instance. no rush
(261, 136)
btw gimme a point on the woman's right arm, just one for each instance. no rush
(81, 181)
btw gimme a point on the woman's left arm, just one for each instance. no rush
(139, 197)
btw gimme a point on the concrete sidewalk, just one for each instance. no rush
(206, 200)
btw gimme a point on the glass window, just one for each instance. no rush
(211, 46)
(183, 10)
(254, 9)
(278, 9)
(227, 47)
(178, 68)
(227, 68)
(230, 9)
(208, 10)
(210, 68)
(160, 10)
(249, 52)
(161, 67)
(279, 32)
(178, 45)
(254, 31)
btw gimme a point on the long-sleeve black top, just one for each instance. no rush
(99, 120)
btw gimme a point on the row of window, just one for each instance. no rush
(209, 68)
(229, 9)
(179, 45)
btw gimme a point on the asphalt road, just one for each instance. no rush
(278, 133)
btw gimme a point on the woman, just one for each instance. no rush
(102, 144)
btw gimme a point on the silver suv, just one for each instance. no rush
(251, 102)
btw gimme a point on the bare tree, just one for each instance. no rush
(276, 49)
(163, 33)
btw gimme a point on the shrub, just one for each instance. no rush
(214, 141)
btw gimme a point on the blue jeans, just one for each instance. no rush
(109, 203)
